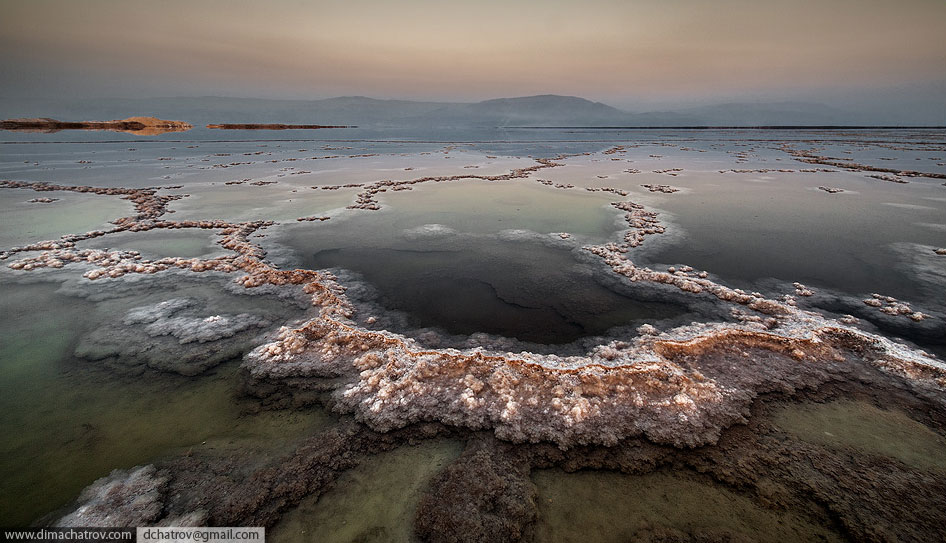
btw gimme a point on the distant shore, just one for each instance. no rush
(134, 125)
(273, 126)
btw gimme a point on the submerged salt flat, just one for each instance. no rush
(63, 428)
(26, 221)
(374, 502)
(601, 506)
(472, 246)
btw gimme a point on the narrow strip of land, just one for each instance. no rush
(273, 126)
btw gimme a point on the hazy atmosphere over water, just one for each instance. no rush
(884, 60)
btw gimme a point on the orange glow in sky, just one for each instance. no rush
(608, 50)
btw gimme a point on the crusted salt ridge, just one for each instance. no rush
(149, 206)
(56, 254)
(177, 335)
(133, 497)
(894, 307)
(366, 198)
(809, 157)
(124, 498)
(617, 390)
(161, 320)
(666, 189)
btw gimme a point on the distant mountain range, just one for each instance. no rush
(537, 111)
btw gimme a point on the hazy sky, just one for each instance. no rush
(632, 54)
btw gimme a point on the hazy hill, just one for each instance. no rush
(543, 110)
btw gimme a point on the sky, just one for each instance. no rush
(635, 54)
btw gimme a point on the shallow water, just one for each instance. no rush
(512, 289)
(373, 502)
(25, 222)
(861, 426)
(483, 207)
(600, 506)
(68, 422)
(780, 225)
(160, 243)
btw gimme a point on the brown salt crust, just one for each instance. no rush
(831, 190)
(148, 205)
(810, 157)
(869, 498)
(670, 171)
(310, 219)
(118, 263)
(366, 198)
(619, 192)
(892, 306)
(802, 290)
(642, 223)
(236, 486)
(42, 200)
(222, 165)
(618, 390)
(775, 170)
(845, 490)
(891, 178)
(553, 184)
(485, 495)
(941, 252)
(125, 498)
(666, 189)
(336, 187)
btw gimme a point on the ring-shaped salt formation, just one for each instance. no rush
(680, 387)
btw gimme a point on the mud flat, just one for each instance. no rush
(142, 126)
